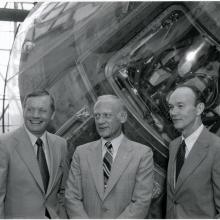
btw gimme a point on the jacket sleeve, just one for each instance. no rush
(141, 198)
(216, 181)
(73, 194)
(61, 191)
(3, 177)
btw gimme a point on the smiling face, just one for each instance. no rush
(37, 114)
(184, 112)
(109, 117)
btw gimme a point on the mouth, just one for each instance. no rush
(35, 122)
(102, 128)
(176, 120)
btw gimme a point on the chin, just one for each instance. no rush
(178, 126)
(104, 136)
(36, 131)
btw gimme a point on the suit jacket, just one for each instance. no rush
(21, 188)
(197, 190)
(129, 189)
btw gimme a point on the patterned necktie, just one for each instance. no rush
(107, 162)
(42, 163)
(180, 157)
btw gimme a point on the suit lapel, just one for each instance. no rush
(172, 163)
(95, 161)
(121, 161)
(25, 149)
(195, 157)
(54, 161)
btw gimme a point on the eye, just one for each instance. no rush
(107, 115)
(29, 109)
(180, 105)
(170, 107)
(96, 116)
(42, 110)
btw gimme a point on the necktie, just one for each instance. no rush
(180, 157)
(42, 163)
(107, 162)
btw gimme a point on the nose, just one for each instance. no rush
(35, 114)
(173, 111)
(100, 119)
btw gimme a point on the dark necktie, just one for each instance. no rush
(180, 157)
(42, 163)
(107, 162)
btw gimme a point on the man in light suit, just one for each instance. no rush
(123, 189)
(193, 185)
(31, 172)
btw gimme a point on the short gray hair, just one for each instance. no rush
(39, 93)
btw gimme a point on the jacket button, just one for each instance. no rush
(104, 209)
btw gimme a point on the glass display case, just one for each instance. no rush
(137, 50)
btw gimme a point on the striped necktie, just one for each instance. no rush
(107, 162)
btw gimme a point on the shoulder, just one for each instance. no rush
(174, 143)
(87, 146)
(9, 137)
(138, 147)
(213, 143)
(9, 141)
(213, 139)
(60, 143)
(6, 137)
(56, 137)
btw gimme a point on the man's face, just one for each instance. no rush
(107, 119)
(183, 111)
(37, 114)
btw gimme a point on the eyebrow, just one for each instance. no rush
(179, 102)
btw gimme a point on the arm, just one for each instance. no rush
(3, 178)
(142, 193)
(61, 191)
(73, 194)
(216, 181)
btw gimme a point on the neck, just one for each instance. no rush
(113, 137)
(188, 132)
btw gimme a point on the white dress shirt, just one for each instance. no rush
(191, 139)
(115, 144)
(33, 140)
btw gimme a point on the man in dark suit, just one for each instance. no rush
(31, 164)
(111, 177)
(193, 178)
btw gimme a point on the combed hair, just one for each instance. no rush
(39, 93)
(199, 97)
(114, 97)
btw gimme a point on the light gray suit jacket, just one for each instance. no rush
(196, 193)
(129, 190)
(21, 188)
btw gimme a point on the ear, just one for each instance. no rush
(200, 108)
(52, 116)
(122, 115)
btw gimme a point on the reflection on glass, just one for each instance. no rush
(168, 52)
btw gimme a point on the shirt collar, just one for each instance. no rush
(33, 138)
(115, 142)
(191, 139)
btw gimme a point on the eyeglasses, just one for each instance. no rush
(97, 116)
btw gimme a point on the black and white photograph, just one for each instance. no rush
(109, 109)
